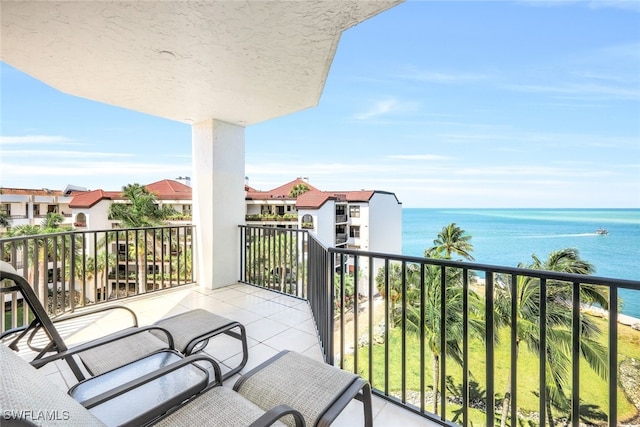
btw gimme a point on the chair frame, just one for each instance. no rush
(358, 389)
(56, 343)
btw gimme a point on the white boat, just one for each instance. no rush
(602, 231)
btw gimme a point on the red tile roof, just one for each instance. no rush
(90, 198)
(281, 192)
(30, 192)
(353, 196)
(312, 199)
(166, 189)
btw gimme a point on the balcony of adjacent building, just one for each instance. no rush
(293, 294)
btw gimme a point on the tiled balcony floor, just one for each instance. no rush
(273, 322)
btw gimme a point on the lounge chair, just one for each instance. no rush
(318, 390)
(27, 397)
(187, 333)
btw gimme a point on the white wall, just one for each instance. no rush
(385, 223)
(323, 222)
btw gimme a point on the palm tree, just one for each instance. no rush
(38, 247)
(51, 222)
(451, 239)
(4, 219)
(454, 318)
(558, 323)
(397, 287)
(142, 211)
(272, 258)
(298, 189)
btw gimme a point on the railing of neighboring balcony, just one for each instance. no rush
(79, 268)
(382, 316)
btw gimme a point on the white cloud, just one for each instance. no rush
(62, 154)
(378, 109)
(441, 77)
(91, 169)
(581, 90)
(418, 157)
(632, 5)
(34, 139)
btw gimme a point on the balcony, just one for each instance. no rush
(271, 218)
(293, 295)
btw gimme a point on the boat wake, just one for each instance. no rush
(546, 236)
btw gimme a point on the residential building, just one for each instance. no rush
(362, 220)
(28, 206)
(90, 209)
(365, 220)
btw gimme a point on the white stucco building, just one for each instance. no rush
(27, 206)
(90, 209)
(361, 220)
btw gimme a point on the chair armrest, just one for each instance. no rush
(274, 414)
(11, 332)
(95, 310)
(76, 315)
(38, 363)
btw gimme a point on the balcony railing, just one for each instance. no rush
(386, 317)
(79, 268)
(383, 316)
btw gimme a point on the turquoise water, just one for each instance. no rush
(510, 236)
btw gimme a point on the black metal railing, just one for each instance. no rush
(386, 317)
(78, 268)
(394, 314)
(275, 258)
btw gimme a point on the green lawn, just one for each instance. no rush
(593, 394)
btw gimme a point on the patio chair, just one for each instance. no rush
(187, 333)
(27, 397)
(318, 390)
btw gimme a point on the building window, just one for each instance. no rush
(354, 231)
(81, 220)
(354, 211)
(307, 221)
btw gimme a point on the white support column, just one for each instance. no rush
(218, 200)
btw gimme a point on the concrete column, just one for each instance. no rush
(218, 200)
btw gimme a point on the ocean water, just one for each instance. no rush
(508, 237)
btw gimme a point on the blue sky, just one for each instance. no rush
(447, 104)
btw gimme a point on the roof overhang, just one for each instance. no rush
(240, 62)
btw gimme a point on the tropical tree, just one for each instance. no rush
(182, 265)
(429, 316)
(558, 324)
(51, 223)
(141, 210)
(397, 286)
(39, 249)
(451, 240)
(298, 189)
(273, 259)
(423, 304)
(4, 219)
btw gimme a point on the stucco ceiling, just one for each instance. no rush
(237, 61)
